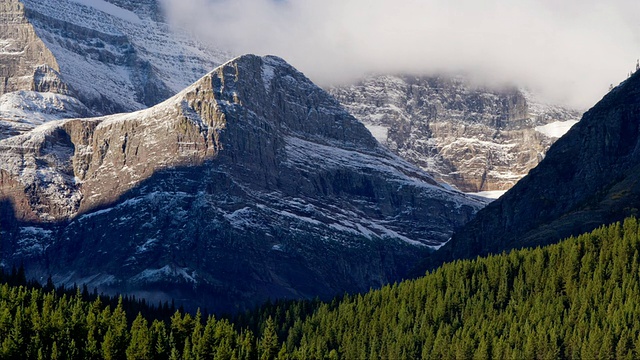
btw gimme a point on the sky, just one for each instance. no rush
(567, 51)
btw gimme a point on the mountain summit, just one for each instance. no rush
(252, 183)
(473, 137)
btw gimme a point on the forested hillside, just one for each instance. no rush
(576, 299)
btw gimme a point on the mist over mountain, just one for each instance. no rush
(568, 51)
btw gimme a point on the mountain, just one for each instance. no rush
(252, 183)
(589, 177)
(91, 58)
(474, 138)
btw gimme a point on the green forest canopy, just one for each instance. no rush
(576, 299)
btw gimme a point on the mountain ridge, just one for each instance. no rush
(92, 52)
(253, 165)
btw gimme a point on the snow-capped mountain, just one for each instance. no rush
(251, 183)
(115, 56)
(474, 138)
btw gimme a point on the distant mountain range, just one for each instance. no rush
(98, 58)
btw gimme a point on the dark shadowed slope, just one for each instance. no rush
(589, 177)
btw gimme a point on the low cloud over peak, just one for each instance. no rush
(568, 51)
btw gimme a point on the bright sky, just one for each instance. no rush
(568, 51)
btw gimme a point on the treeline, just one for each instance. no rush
(39, 325)
(579, 299)
(576, 299)
(131, 305)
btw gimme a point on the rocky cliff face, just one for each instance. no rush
(251, 183)
(25, 61)
(589, 177)
(112, 57)
(477, 139)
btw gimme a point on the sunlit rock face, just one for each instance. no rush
(474, 138)
(89, 58)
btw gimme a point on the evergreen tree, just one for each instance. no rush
(269, 345)
(140, 346)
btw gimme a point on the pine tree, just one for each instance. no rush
(140, 344)
(269, 341)
(115, 340)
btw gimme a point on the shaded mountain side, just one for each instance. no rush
(252, 183)
(591, 176)
(187, 244)
(573, 300)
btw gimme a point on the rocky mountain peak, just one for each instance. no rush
(112, 57)
(253, 165)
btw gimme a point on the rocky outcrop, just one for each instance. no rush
(25, 61)
(112, 59)
(589, 177)
(252, 183)
(474, 138)
(118, 60)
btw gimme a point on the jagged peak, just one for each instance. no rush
(247, 107)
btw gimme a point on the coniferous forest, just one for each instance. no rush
(576, 299)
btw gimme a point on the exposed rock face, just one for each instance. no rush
(476, 139)
(589, 177)
(251, 183)
(110, 55)
(25, 61)
(112, 59)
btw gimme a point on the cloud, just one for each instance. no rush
(569, 51)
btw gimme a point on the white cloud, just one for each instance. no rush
(568, 50)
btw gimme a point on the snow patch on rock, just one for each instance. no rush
(35, 108)
(494, 194)
(166, 272)
(111, 9)
(379, 132)
(268, 73)
(556, 129)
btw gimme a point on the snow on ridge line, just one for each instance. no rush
(438, 247)
(111, 9)
(150, 112)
